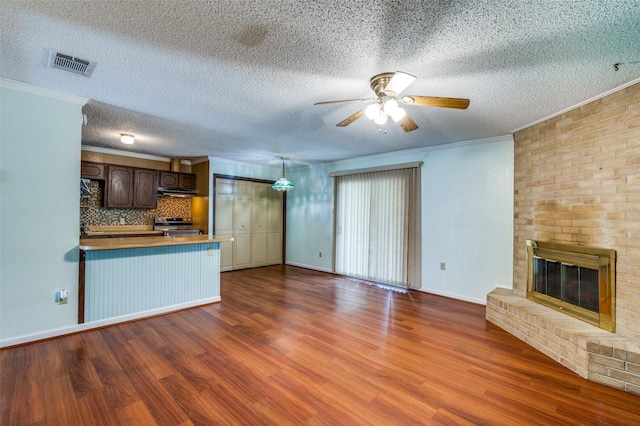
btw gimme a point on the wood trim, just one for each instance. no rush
(81, 286)
(284, 227)
(221, 176)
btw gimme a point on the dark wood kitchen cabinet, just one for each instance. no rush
(91, 170)
(118, 190)
(187, 181)
(145, 189)
(127, 187)
(169, 179)
(175, 180)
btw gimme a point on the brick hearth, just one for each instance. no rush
(593, 353)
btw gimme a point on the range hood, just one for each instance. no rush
(175, 192)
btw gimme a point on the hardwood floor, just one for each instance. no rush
(289, 346)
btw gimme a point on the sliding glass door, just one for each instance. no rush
(377, 226)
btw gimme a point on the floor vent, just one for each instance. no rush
(71, 64)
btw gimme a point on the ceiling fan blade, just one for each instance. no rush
(459, 103)
(399, 82)
(351, 118)
(407, 124)
(346, 100)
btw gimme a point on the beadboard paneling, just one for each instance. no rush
(121, 282)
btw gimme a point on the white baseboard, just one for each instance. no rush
(454, 296)
(315, 268)
(56, 332)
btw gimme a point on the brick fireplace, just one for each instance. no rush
(577, 182)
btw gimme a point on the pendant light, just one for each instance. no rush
(283, 183)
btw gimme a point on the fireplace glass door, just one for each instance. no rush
(575, 285)
(576, 280)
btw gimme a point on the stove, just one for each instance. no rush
(175, 226)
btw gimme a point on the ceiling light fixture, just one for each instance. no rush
(283, 183)
(383, 109)
(127, 138)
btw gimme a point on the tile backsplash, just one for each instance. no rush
(93, 214)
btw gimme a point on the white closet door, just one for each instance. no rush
(274, 228)
(274, 215)
(242, 216)
(226, 248)
(224, 216)
(242, 251)
(259, 216)
(258, 249)
(274, 248)
(250, 212)
(225, 194)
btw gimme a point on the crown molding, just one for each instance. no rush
(132, 154)
(576, 106)
(427, 149)
(41, 91)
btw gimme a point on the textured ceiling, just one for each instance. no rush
(238, 79)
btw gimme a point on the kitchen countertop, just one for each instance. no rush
(138, 242)
(121, 230)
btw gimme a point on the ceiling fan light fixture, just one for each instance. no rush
(390, 106)
(399, 114)
(387, 87)
(381, 118)
(372, 111)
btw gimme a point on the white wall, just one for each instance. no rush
(236, 168)
(467, 220)
(467, 215)
(310, 218)
(40, 134)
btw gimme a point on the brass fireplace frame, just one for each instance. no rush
(600, 259)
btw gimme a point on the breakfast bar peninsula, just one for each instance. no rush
(122, 279)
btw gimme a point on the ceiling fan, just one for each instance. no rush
(387, 86)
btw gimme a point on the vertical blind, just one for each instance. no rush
(378, 226)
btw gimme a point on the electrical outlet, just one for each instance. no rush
(443, 266)
(62, 297)
(122, 220)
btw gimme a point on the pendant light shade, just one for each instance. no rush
(283, 183)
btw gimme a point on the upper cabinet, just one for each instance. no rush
(145, 189)
(133, 187)
(90, 170)
(169, 180)
(127, 187)
(175, 180)
(187, 181)
(118, 190)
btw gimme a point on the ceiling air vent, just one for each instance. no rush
(71, 64)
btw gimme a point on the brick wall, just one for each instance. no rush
(577, 181)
